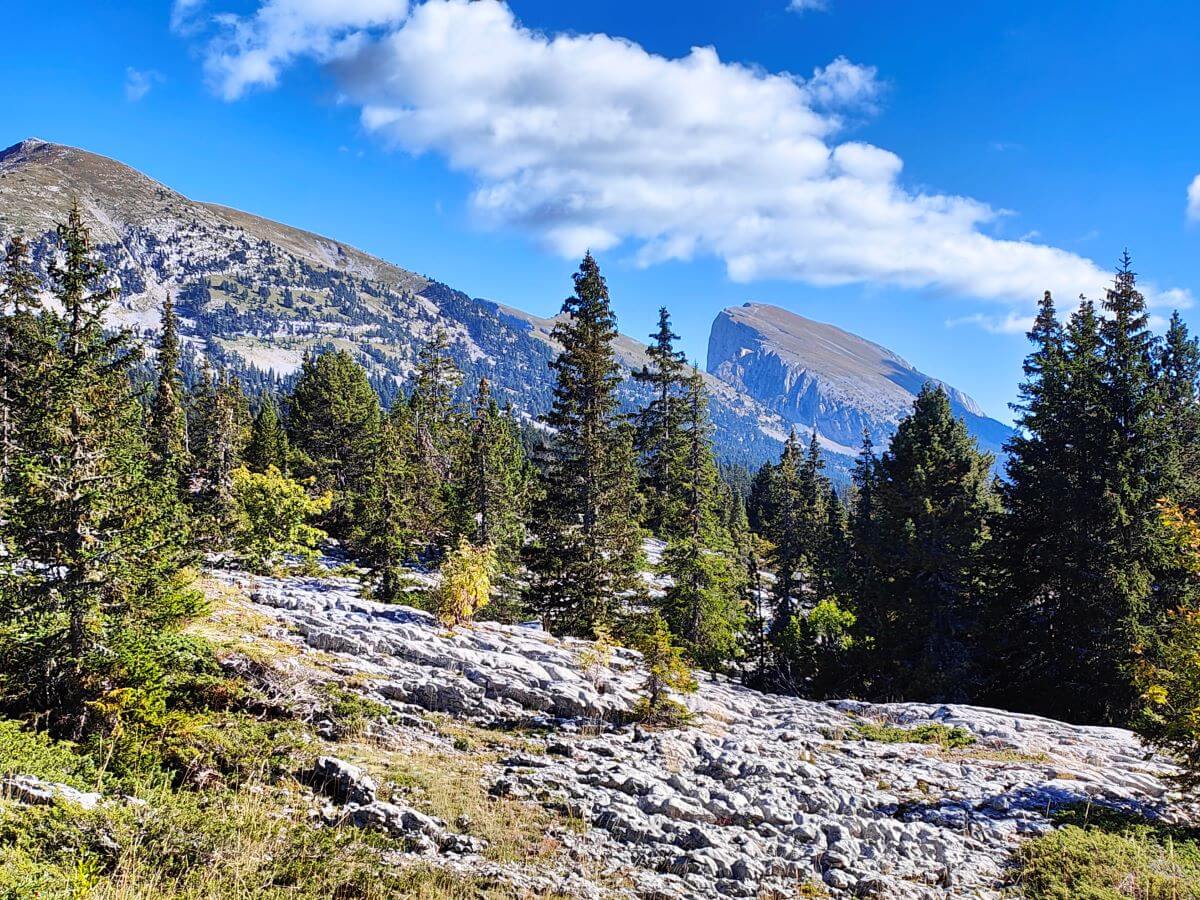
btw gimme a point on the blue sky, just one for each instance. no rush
(915, 173)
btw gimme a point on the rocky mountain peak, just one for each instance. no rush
(818, 376)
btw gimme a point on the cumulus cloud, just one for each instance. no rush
(1193, 200)
(589, 141)
(250, 51)
(185, 16)
(138, 82)
(800, 6)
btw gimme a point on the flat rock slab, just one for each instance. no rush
(762, 791)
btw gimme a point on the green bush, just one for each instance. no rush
(25, 752)
(273, 512)
(1099, 854)
(929, 733)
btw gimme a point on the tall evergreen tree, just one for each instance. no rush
(102, 539)
(492, 491)
(334, 422)
(434, 430)
(785, 529)
(704, 604)
(586, 556)
(1178, 365)
(1036, 534)
(168, 417)
(933, 508)
(659, 444)
(23, 348)
(436, 424)
(268, 444)
(385, 530)
(216, 437)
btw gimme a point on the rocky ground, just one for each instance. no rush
(760, 795)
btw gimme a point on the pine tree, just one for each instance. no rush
(492, 489)
(436, 424)
(102, 539)
(586, 557)
(334, 423)
(658, 425)
(23, 345)
(268, 444)
(704, 604)
(385, 530)
(933, 508)
(1178, 373)
(785, 530)
(216, 437)
(434, 432)
(168, 417)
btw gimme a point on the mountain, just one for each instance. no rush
(254, 292)
(257, 295)
(818, 376)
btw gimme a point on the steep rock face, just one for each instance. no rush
(818, 376)
(258, 294)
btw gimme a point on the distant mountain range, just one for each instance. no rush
(262, 294)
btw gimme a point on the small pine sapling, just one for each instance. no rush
(666, 671)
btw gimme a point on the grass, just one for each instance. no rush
(1102, 854)
(220, 814)
(451, 786)
(213, 846)
(929, 733)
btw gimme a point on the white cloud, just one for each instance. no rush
(185, 16)
(138, 82)
(589, 141)
(251, 51)
(1193, 197)
(800, 6)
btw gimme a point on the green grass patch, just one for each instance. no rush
(220, 845)
(930, 733)
(1102, 854)
(25, 752)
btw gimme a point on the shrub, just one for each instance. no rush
(666, 671)
(1100, 854)
(929, 733)
(273, 513)
(466, 584)
(25, 752)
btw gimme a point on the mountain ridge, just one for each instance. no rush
(267, 293)
(817, 375)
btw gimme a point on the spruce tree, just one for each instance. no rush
(436, 424)
(1036, 532)
(101, 537)
(785, 530)
(434, 431)
(492, 490)
(216, 438)
(703, 606)
(933, 509)
(586, 556)
(384, 530)
(334, 423)
(168, 417)
(268, 445)
(659, 445)
(1178, 373)
(23, 348)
